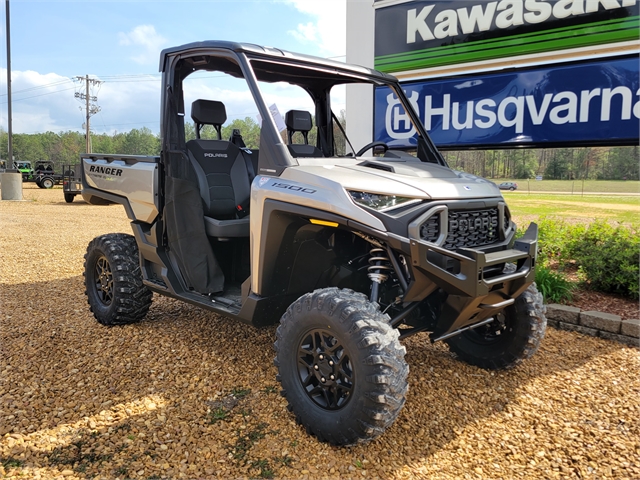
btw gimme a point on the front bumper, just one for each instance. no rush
(477, 284)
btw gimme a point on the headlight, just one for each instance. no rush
(381, 202)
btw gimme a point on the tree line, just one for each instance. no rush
(588, 163)
(605, 163)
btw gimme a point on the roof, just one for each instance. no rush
(275, 54)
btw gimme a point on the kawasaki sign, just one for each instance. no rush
(423, 34)
(587, 103)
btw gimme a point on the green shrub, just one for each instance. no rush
(555, 238)
(553, 286)
(608, 257)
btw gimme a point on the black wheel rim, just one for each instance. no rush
(491, 333)
(325, 370)
(103, 280)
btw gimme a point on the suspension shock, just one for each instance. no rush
(378, 270)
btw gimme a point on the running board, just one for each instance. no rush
(226, 304)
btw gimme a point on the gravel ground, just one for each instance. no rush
(188, 394)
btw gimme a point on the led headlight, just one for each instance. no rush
(381, 202)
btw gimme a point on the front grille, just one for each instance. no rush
(430, 230)
(466, 228)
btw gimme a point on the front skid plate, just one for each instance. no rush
(472, 297)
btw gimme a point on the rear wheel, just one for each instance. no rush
(512, 337)
(68, 197)
(113, 280)
(47, 182)
(341, 366)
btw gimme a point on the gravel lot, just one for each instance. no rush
(188, 394)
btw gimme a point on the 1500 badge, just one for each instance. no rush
(295, 188)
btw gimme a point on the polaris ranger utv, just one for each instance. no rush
(348, 251)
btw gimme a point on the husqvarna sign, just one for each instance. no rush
(596, 102)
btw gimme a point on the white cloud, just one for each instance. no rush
(306, 33)
(238, 101)
(39, 102)
(45, 102)
(328, 28)
(146, 42)
(128, 104)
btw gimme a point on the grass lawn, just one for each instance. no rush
(576, 187)
(578, 208)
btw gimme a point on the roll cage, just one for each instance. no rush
(263, 64)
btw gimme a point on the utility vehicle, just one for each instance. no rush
(349, 252)
(25, 168)
(44, 174)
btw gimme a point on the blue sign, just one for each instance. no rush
(578, 104)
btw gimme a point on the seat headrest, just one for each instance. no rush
(208, 112)
(298, 120)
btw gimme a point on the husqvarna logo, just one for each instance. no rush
(396, 119)
(215, 155)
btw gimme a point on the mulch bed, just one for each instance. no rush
(590, 300)
(587, 299)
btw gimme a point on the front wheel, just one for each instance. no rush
(341, 366)
(113, 280)
(512, 337)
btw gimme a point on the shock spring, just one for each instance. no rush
(378, 270)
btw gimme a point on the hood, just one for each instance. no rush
(411, 178)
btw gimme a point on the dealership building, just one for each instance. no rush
(498, 74)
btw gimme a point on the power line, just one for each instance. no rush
(40, 95)
(46, 85)
(130, 123)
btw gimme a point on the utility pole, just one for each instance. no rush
(90, 108)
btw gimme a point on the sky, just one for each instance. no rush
(119, 43)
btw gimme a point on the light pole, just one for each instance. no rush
(9, 120)
(11, 179)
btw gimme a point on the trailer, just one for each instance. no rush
(71, 182)
(44, 174)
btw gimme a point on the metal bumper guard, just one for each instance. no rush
(472, 299)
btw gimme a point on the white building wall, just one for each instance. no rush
(360, 38)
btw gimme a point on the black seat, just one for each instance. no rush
(250, 155)
(222, 175)
(300, 121)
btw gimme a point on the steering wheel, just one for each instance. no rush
(372, 145)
